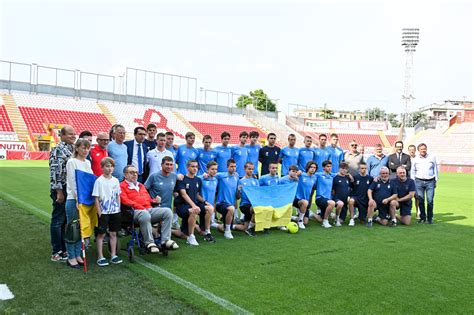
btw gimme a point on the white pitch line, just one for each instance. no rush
(5, 293)
(191, 286)
(25, 204)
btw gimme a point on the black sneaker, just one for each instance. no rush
(421, 221)
(250, 232)
(393, 224)
(209, 238)
(266, 231)
(369, 224)
(430, 221)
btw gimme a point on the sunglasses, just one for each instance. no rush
(103, 140)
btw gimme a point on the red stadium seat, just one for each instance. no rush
(5, 122)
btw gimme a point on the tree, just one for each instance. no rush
(392, 118)
(417, 117)
(327, 113)
(375, 114)
(258, 99)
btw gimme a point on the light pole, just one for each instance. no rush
(410, 39)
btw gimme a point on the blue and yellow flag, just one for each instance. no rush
(85, 184)
(272, 205)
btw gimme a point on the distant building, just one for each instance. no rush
(446, 110)
(318, 113)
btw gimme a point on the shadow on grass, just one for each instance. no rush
(447, 217)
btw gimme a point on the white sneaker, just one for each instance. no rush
(338, 223)
(352, 222)
(312, 215)
(214, 225)
(326, 224)
(282, 228)
(301, 225)
(191, 240)
(228, 235)
(294, 218)
(175, 226)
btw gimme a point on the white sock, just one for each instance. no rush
(337, 218)
(251, 225)
(369, 220)
(227, 228)
(300, 216)
(325, 221)
(208, 231)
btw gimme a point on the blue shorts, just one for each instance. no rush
(221, 207)
(362, 206)
(322, 204)
(183, 213)
(405, 208)
(246, 210)
(295, 204)
(384, 210)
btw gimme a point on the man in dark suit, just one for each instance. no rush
(136, 151)
(398, 159)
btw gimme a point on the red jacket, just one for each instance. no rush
(138, 200)
(96, 155)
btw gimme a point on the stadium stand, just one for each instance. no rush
(453, 146)
(216, 123)
(40, 110)
(5, 123)
(133, 115)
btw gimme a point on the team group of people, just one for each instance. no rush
(161, 181)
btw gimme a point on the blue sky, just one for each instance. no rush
(346, 54)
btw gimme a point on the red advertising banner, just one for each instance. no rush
(26, 155)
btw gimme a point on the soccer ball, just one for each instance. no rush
(292, 227)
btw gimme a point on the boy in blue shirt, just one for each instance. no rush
(245, 205)
(337, 154)
(226, 197)
(306, 187)
(206, 154)
(341, 190)
(271, 178)
(190, 204)
(322, 153)
(239, 153)
(381, 193)
(306, 153)
(170, 146)
(254, 149)
(323, 194)
(223, 152)
(209, 188)
(288, 155)
(185, 153)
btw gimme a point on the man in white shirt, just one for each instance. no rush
(155, 156)
(424, 172)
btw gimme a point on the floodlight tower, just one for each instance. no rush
(410, 39)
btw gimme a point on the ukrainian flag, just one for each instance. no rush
(87, 214)
(272, 205)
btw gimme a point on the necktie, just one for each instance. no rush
(139, 158)
(400, 158)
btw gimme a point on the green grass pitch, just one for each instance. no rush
(410, 270)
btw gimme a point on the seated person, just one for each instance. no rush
(406, 191)
(135, 195)
(190, 205)
(381, 193)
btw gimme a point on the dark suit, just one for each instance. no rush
(141, 178)
(394, 162)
